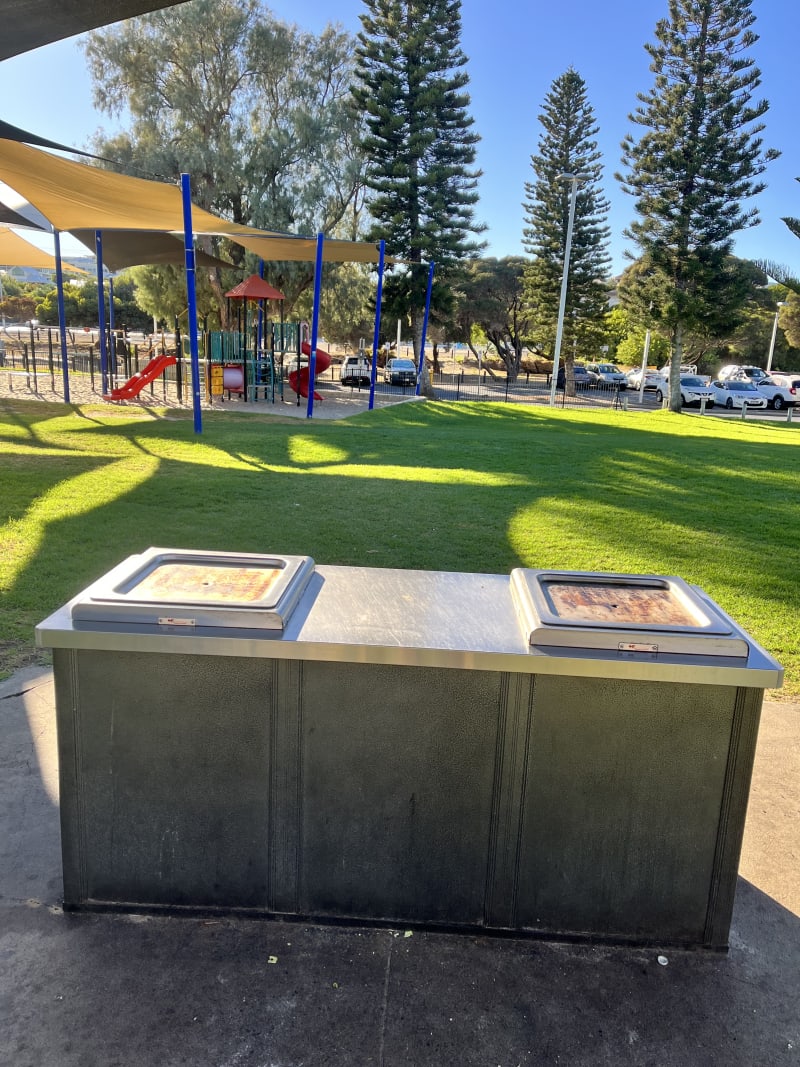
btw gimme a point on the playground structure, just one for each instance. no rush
(299, 380)
(237, 365)
(134, 385)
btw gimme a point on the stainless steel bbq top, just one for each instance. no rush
(595, 625)
(180, 588)
(628, 613)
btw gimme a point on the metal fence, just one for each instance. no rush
(527, 389)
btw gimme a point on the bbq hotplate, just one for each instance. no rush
(627, 613)
(181, 588)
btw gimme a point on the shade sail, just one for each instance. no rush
(74, 196)
(131, 248)
(15, 251)
(13, 218)
(305, 249)
(30, 24)
(254, 288)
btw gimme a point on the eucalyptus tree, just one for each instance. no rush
(419, 142)
(698, 158)
(567, 145)
(259, 112)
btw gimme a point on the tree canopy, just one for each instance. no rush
(697, 160)
(258, 112)
(419, 142)
(567, 145)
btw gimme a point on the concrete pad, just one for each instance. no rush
(95, 990)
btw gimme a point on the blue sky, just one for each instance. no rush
(515, 49)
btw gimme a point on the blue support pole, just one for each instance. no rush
(111, 304)
(101, 311)
(62, 316)
(424, 328)
(113, 352)
(312, 359)
(191, 293)
(376, 334)
(260, 332)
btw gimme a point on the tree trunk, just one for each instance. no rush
(417, 320)
(675, 369)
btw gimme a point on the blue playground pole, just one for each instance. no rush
(111, 304)
(260, 331)
(62, 316)
(312, 359)
(375, 336)
(101, 310)
(191, 293)
(424, 328)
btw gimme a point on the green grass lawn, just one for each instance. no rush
(469, 487)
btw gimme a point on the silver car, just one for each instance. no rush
(607, 374)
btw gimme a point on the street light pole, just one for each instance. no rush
(574, 180)
(781, 303)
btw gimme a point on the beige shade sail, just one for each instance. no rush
(15, 251)
(131, 248)
(270, 247)
(74, 196)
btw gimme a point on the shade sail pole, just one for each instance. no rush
(191, 293)
(260, 331)
(62, 315)
(376, 334)
(312, 359)
(101, 311)
(424, 329)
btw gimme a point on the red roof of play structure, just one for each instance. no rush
(254, 288)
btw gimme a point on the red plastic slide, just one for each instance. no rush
(147, 374)
(298, 380)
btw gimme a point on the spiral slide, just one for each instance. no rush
(147, 374)
(298, 380)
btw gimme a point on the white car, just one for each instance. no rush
(355, 370)
(653, 379)
(735, 393)
(779, 392)
(694, 391)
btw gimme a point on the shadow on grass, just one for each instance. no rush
(473, 488)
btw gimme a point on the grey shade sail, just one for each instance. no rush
(29, 24)
(10, 217)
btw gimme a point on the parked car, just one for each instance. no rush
(653, 379)
(735, 393)
(729, 371)
(693, 391)
(743, 373)
(355, 370)
(779, 393)
(400, 371)
(607, 374)
(752, 374)
(581, 376)
(789, 380)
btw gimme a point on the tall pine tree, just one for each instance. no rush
(419, 144)
(567, 145)
(697, 159)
